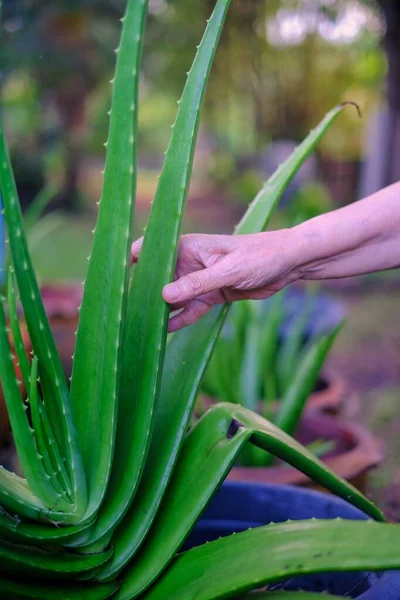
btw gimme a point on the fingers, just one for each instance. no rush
(135, 250)
(198, 283)
(191, 243)
(192, 312)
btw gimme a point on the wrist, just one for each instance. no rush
(288, 248)
(303, 246)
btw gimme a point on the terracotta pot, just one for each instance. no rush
(62, 300)
(4, 420)
(356, 452)
(333, 396)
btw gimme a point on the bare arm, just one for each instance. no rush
(361, 238)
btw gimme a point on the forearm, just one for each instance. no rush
(360, 238)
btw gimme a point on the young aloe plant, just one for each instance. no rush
(249, 360)
(109, 465)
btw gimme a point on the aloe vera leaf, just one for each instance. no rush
(250, 368)
(211, 384)
(45, 442)
(41, 445)
(209, 451)
(13, 529)
(250, 372)
(171, 423)
(269, 346)
(292, 404)
(290, 351)
(31, 461)
(147, 314)
(269, 195)
(16, 497)
(54, 454)
(16, 331)
(229, 379)
(40, 563)
(269, 554)
(14, 590)
(95, 374)
(54, 385)
(239, 316)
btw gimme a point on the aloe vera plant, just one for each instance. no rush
(108, 464)
(252, 367)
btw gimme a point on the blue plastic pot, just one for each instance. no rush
(238, 506)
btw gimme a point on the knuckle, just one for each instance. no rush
(233, 270)
(195, 282)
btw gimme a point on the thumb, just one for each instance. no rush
(198, 283)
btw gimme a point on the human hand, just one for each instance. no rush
(214, 269)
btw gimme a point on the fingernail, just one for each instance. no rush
(170, 293)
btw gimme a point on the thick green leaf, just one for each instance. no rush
(208, 453)
(17, 498)
(147, 315)
(13, 529)
(94, 385)
(249, 373)
(292, 404)
(290, 351)
(269, 348)
(16, 331)
(212, 383)
(249, 369)
(225, 359)
(36, 563)
(54, 386)
(265, 555)
(14, 590)
(43, 444)
(268, 198)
